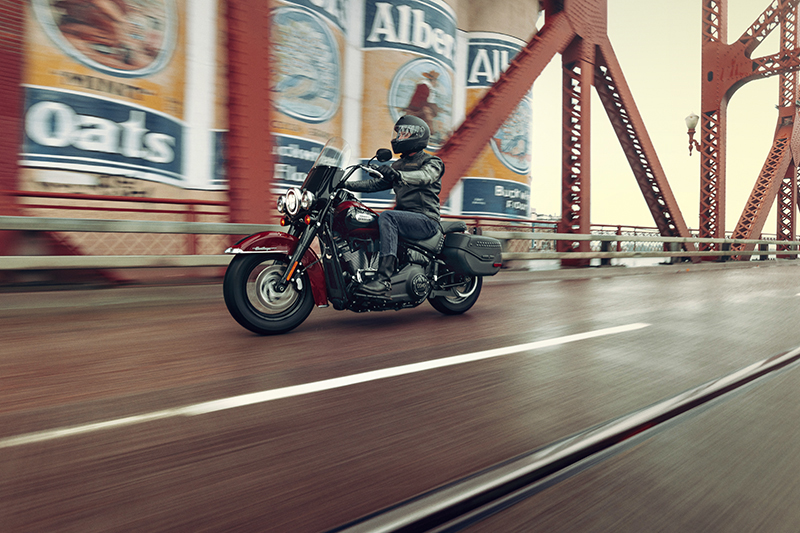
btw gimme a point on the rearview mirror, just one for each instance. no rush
(383, 155)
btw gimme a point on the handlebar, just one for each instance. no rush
(371, 171)
(366, 168)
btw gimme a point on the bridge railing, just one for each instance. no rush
(634, 246)
(527, 242)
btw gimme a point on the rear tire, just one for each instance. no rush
(249, 290)
(464, 298)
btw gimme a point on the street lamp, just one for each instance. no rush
(691, 124)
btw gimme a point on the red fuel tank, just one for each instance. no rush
(356, 220)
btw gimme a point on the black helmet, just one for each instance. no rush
(411, 135)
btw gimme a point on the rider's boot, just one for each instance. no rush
(381, 285)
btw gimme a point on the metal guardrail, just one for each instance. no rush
(59, 262)
(725, 252)
(209, 228)
(129, 226)
(47, 262)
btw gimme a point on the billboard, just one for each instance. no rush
(498, 182)
(308, 52)
(409, 60)
(104, 85)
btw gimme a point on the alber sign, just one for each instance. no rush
(403, 25)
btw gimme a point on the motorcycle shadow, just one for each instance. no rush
(329, 319)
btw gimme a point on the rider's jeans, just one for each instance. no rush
(413, 226)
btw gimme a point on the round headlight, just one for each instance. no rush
(281, 202)
(307, 199)
(292, 201)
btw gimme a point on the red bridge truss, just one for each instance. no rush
(726, 67)
(576, 29)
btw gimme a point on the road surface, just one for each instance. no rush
(150, 409)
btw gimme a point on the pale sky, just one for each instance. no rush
(658, 45)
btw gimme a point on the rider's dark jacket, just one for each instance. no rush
(418, 188)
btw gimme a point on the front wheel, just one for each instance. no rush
(255, 303)
(463, 297)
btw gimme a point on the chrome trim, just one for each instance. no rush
(307, 199)
(293, 197)
(260, 251)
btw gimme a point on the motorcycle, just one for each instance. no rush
(276, 278)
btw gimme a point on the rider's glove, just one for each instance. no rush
(389, 173)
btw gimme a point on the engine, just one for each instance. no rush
(411, 284)
(358, 255)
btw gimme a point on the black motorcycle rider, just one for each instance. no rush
(417, 180)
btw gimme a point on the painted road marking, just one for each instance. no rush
(307, 388)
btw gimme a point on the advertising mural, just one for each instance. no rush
(309, 45)
(219, 180)
(104, 83)
(409, 56)
(498, 182)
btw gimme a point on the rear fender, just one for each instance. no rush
(278, 242)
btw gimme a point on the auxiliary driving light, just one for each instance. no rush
(307, 199)
(281, 203)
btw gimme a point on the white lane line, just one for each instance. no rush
(307, 388)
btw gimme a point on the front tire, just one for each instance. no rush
(253, 301)
(463, 298)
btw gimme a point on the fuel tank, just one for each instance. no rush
(354, 219)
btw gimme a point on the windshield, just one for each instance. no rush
(327, 169)
(335, 153)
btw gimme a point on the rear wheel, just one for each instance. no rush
(255, 303)
(461, 299)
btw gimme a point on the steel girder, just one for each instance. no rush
(726, 67)
(763, 25)
(577, 77)
(787, 85)
(712, 126)
(787, 208)
(778, 177)
(12, 26)
(621, 109)
(766, 187)
(250, 159)
(787, 191)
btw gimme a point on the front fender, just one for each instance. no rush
(278, 242)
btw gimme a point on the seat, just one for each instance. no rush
(433, 244)
(453, 226)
